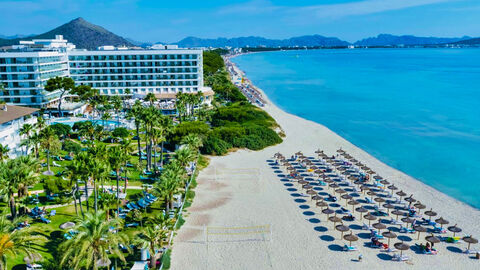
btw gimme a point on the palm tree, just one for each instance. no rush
(31, 167)
(93, 243)
(105, 201)
(117, 159)
(168, 186)
(4, 152)
(184, 155)
(136, 113)
(150, 97)
(40, 123)
(77, 170)
(152, 238)
(64, 84)
(193, 141)
(105, 117)
(181, 105)
(98, 171)
(117, 105)
(50, 143)
(150, 119)
(25, 130)
(14, 243)
(35, 140)
(126, 148)
(16, 174)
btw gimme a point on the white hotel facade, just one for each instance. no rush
(161, 70)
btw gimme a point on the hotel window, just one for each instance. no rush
(105, 91)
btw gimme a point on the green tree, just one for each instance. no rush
(64, 84)
(4, 152)
(153, 239)
(136, 113)
(193, 141)
(15, 176)
(93, 243)
(15, 243)
(168, 186)
(78, 171)
(117, 158)
(50, 143)
(150, 97)
(26, 131)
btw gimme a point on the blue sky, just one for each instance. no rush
(171, 21)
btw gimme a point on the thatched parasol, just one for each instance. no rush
(397, 213)
(346, 197)
(410, 199)
(389, 235)
(377, 177)
(469, 240)
(454, 229)
(353, 203)
(342, 228)
(369, 217)
(350, 238)
(379, 200)
(419, 229)
(430, 213)
(408, 220)
(307, 186)
(321, 204)
(379, 226)
(389, 206)
(401, 194)
(432, 239)
(385, 182)
(441, 221)
(335, 219)
(401, 246)
(419, 206)
(328, 211)
(317, 197)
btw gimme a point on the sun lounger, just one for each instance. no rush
(53, 213)
(134, 224)
(68, 158)
(423, 250)
(44, 220)
(406, 230)
(366, 227)
(471, 251)
(349, 248)
(400, 258)
(439, 230)
(395, 222)
(142, 204)
(368, 200)
(450, 239)
(56, 164)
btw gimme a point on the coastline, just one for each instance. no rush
(299, 241)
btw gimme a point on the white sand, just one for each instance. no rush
(241, 199)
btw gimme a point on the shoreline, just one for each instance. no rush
(266, 98)
(241, 189)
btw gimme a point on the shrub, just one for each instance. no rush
(71, 146)
(185, 128)
(81, 125)
(61, 130)
(120, 132)
(215, 146)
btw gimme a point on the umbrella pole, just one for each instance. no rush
(418, 238)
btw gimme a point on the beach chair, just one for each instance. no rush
(53, 213)
(452, 240)
(439, 230)
(134, 224)
(366, 227)
(395, 222)
(69, 158)
(349, 248)
(56, 164)
(44, 220)
(129, 207)
(406, 230)
(368, 200)
(400, 258)
(142, 204)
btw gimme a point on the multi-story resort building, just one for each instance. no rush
(161, 70)
(12, 118)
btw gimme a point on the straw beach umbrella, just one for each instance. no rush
(430, 213)
(353, 203)
(379, 226)
(397, 213)
(454, 229)
(369, 217)
(401, 246)
(441, 221)
(361, 210)
(379, 200)
(470, 240)
(419, 206)
(322, 204)
(432, 239)
(342, 228)
(317, 197)
(401, 194)
(419, 229)
(410, 199)
(335, 219)
(389, 206)
(328, 211)
(350, 238)
(389, 235)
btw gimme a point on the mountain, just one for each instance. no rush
(310, 41)
(15, 36)
(386, 40)
(471, 41)
(139, 43)
(83, 34)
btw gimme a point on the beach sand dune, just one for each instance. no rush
(241, 189)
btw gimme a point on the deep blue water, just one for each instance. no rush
(417, 110)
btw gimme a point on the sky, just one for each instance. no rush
(170, 21)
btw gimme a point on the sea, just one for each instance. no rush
(417, 110)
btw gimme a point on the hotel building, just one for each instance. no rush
(161, 70)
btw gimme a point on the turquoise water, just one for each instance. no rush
(70, 122)
(417, 110)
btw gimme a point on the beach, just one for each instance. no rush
(242, 190)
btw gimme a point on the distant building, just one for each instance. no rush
(163, 70)
(12, 119)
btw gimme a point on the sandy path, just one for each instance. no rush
(227, 195)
